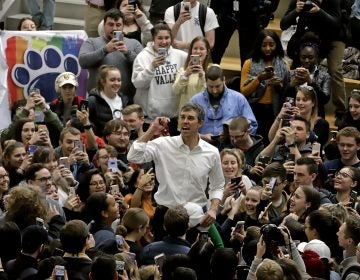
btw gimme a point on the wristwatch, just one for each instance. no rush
(87, 127)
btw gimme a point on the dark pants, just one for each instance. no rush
(247, 36)
(265, 117)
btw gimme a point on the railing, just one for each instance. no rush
(4, 7)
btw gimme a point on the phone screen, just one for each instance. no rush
(272, 183)
(236, 180)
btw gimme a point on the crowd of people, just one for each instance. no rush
(166, 172)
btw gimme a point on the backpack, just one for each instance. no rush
(202, 15)
(355, 269)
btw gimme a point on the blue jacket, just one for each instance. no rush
(232, 104)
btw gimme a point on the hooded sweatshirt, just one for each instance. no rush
(154, 85)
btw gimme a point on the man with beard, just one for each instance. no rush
(117, 134)
(107, 49)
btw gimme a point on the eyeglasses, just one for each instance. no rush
(3, 176)
(214, 113)
(343, 175)
(44, 179)
(97, 183)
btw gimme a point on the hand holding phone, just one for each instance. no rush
(84, 105)
(239, 227)
(159, 261)
(236, 180)
(195, 59)
(59, 272)
(186, 6)
(118, 35)
(112, 165)
(272, 183)
(262, 214)
(316, 147)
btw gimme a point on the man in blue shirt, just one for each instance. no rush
(221, 104)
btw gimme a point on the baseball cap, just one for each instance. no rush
(316, 246)
(65, 78)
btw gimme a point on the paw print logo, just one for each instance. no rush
(40, 70)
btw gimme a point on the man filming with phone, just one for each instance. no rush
(290, 139)
(184, 165)
(108, 49)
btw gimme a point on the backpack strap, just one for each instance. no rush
(177, 8)
(202, 15)
(355, 269)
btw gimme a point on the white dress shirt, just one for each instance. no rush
(183, 175)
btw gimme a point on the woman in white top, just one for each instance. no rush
(154, 73)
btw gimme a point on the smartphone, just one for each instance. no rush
(333, 134)
(84, 105)
(64, 161)
(289, 101)
(204, 236)
(265, 160)
(31, 149)
(78, 145)
(119, 240)
(265, 210)
(34, 91)
(112, 165)
(316, 149)
(114, 189)
(59, 272)
(195, 59)
(285, 123)
(239, 226)
(269, 69)
(72, 191)
(133, 3)
(186, 6)
(118, 35)
(272, 183)
(120, 266)
(42, 127)
(162, 51)
(159, 261)
(236, 180)
(290, 157)
(40, 222)
(332, 172)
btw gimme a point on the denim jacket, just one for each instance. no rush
(232, 104)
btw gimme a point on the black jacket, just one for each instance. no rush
(100, 112)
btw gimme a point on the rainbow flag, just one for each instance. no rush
(33, 59)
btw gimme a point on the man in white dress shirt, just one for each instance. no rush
(186, 166)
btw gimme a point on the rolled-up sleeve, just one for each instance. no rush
(142, 152)
(216, 180)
